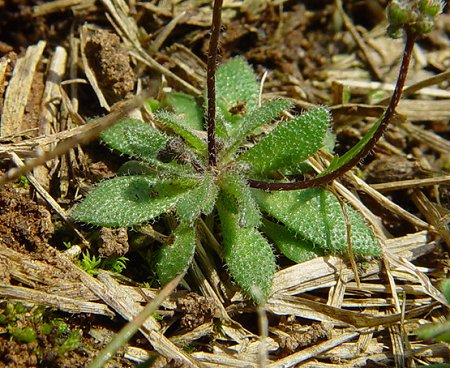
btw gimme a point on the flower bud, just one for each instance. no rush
(431, 8)
(416, 15)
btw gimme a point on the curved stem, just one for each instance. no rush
(388, 115)
(211, 82)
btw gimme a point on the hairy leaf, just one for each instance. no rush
(236, 88)
(316, 215)
(135, 138)
(292, 141)
(134, 167)
(248, 255)
(337, 161)
(198, 200)
(182, 128)
(254, 119)
(291, 245)
(176, 255)
(248, 209)
(186, 108)
(129, 200)
(262, 115)
(235, 83)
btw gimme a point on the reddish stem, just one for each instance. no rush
(389, 113)
(211, 82)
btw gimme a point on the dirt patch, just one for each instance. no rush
(18, 355)
(196, 310)
(113, 242)
(111, 64)
(298, 337)
(24, 225)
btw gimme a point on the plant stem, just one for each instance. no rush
(211, 82)
(387, 116)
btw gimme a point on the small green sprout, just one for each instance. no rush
(23, 182)
(69, 343)
(90, 264)
(37, 324)
(26, 334)
(158, 317)
(114, 264)
(67, 245)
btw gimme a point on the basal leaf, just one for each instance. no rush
(176, 255)
(337, 162)
(186, 108)
(129, 200)
(199, 200)
(290, 142)
(296, 169)
(445, 286)
(222, 128)
(135, 138)
(291, 245)
(134, 167)
(316, 215)
(261, 115)
(182, 128)
(248, 255)
(248, 209)
(435, 331)
(236, 88)
(254, 119)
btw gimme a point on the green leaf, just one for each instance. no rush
(236, 95)
(200, 199)
(222, 128)
(316, 215)
(164, 169)
(254, 119)
(25, 334)
(262, 115)
(236, 85)
(296, 169)
(135, 138)
(435, 331)
(134, 167)
(176, 255)
(186, 108)
(235, 186)
(445, 286)
(182, 128)
(290, 142)
(248, 255)
(129, 200)
(337, 162)
(291, 245)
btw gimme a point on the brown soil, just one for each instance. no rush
(312, 58)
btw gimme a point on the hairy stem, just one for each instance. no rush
(211, 82)
(387, 117)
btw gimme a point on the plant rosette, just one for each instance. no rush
(169, 175)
